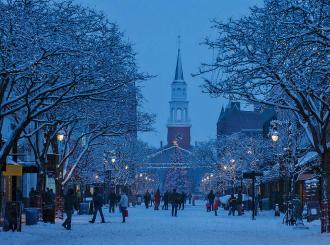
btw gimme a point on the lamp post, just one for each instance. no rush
(252, 175)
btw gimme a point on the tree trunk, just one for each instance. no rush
(325, 192)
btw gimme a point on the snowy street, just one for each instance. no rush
(192, 226)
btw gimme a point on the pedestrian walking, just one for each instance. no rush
(112, 201)
(174, 202)
(123, 204)
(70, 203)
(152, 199)
(183, 199)
(166, 200)
(189, 198)
(232, 204)
(240, 203)
(157, 199)
(216, 205)
(211, 198)
(97, 203)
(147, 199)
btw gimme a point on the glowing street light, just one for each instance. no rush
(60, 136)
(141, 175)
(126, 167)
(275, 136)
(211, 175)
(113, 160)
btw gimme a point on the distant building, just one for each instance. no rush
(234, 120)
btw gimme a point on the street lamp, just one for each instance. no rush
(60, 136)
(126, 167)
(113, 160)
(275, 136)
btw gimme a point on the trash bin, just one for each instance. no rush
(32, 216)
(13, 216)
(48, 213)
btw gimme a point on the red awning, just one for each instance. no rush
(306, 176)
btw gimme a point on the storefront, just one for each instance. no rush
(14, 186)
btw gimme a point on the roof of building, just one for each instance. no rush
(233, 119)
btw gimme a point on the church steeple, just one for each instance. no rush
(179, 123)
(178, 69)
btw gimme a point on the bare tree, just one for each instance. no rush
(278, 55)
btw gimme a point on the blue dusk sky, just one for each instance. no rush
(153, 27)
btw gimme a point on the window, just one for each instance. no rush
(179, 114)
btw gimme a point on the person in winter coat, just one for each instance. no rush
(211, 198)
(69, 205)
(174, 202)
(183, 199)
(123, 204)
(216, 205)
(98, 203)
(112, 202)
(157, 199)
(152, 199)
(147, 198)
(232, 204)
(166, 199)
(239, 203)
(189, 198)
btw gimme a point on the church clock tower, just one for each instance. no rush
(178, 126)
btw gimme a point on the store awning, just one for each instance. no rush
(13, 170)
(25, 166)
(306, 176)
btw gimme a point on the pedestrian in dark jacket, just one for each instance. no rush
(240, 203)
(211, 198)
(232, 204)
(147, 199)
(183, 199)
(189, 198)
(157, 199)
(112, 202)
(166, 199)
(174, 202)
(98, 203)
(69, 205)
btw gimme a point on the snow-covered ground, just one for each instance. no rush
(192, 226)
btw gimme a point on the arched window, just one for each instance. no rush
(179, 114)
(185, 116)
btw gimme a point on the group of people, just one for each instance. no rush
(234, 203)
(177, 200)
(70, 205)
(212, 203)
